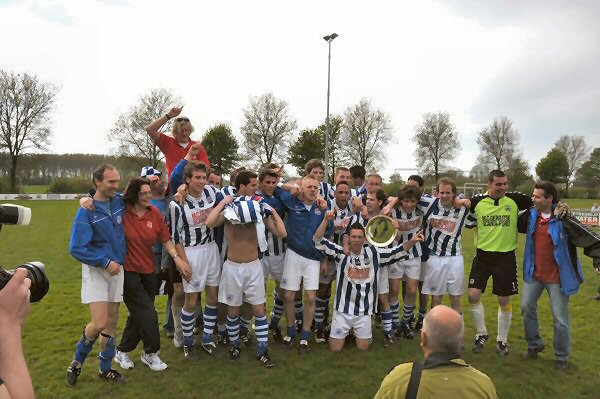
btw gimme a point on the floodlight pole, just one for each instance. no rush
(328, 39)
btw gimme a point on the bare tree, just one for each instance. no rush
(437, 142)
(577, 152)
(498, 143)
(129, 130)
(25, 106)
(365, 132)
(268, 129)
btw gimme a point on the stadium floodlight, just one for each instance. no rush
(328, 39)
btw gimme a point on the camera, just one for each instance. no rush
(36, 271)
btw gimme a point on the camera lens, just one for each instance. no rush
(36, 272)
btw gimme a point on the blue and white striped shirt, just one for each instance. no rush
(276, 244)
(188, 222)
(341, 221)
(444, 229)
(357, 275)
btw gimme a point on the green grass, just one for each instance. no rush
(34, 189)
(55, 325)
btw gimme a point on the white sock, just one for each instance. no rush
(177, 321)
(479, 317)
(504, 319)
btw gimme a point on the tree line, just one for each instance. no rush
(269, 134)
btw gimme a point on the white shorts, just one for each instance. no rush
(342, 323)
(206, 267)
(242, 282)
(298, 269)
(445, 275)
(273, 265)
(383, 281)
(97, 285)
(410, 268)
(331, 273)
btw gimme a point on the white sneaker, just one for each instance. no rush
(177, 342)
(153, 361)
(124, 361)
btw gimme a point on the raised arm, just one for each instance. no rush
(215, 217)
(320, 233)
(276, 225)
(153, 129)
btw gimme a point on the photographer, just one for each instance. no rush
(15, 381)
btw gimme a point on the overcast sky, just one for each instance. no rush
(537, 62)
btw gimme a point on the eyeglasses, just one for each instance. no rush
(182, 119)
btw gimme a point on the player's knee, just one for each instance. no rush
(289, 296)
(363, 344)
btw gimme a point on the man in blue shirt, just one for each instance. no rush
(302, 262)
(98, 242)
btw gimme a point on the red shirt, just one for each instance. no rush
(174, 153)
(141, 233)
(546, 268)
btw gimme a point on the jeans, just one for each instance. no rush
(559, 303)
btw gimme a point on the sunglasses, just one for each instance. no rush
(182, 119)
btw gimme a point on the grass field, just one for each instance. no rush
(55, 325)
(39, 189)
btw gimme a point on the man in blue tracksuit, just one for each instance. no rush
(551, 263)
(98, 242)
(302, 262)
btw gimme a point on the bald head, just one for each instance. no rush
(443, 330)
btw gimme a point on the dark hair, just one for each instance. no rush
(212, 171)
(234, 173)
(357, 171)
(270, 166)
(244, 178)
(408, 191)
(193, 166)
(447, 181)
(380, 195)
(418, 179)
(312, 164)
(98, 174)
(267, 172)
(495, 173)
(549, 190)
(132, 192)
(356, 226)
(342, 183)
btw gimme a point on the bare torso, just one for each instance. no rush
(242, 242)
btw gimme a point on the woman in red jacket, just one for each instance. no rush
(144, 226)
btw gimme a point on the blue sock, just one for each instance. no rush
(262, 334)
(187, 325)
(407, 312)
(84, 347)
(320, 306)
(395, 309)
(233, 329)
(291, 332)
(277, 312)
(108, 354)
(210, 320)
(305, 335)
(386, 317)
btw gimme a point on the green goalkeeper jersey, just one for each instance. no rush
(496, 220)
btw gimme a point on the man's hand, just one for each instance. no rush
(330, 215)
(562, 210)
(14, 300)
(396, 223)
(228, 199)
(184, 269)
(387, 210)
(459, 202)
(181, 193)
(411, 243)
(357, 204)
(113, 268)
(175, 111)
(192, 152)
(321, 203)
(87, 203)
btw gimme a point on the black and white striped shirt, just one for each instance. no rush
(444, 229)
(341, 221)
(357, 275)
(188, 222)
(410, 223)
(276, 244)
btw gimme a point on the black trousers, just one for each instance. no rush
(142, 323)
